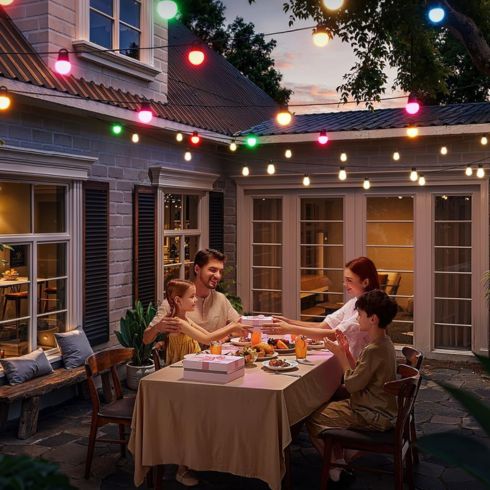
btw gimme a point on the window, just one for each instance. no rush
(34, 283)
(452, 272)
(182, 234)
(116, 24)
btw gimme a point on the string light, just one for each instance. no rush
(366, 184)
(63, 65)
(333, 4)
(251, 141)
(187, 156)
(322, 137)
(321, 37)
(343, 157)
(412, 132)
(284, 117)
(167, 9)
(117, 129)
(245, 171)
(443, 150)
(396, 156)
(484, 140)
(179, 137)
(271, 169)
(342, 174)
(233, 146)
(288, 153)
(145, 114)
(196, 56)
(414, 175)
(4, 3)
(480, 173)
(421, 179)
(413, 105)
(306, 180)
(5, 99)
(468, 171)
(436, 14)
(195, 138)
(135, 138)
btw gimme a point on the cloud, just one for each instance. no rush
(285, 61)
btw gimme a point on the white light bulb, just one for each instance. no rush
(233, 146)
(245, 171)
(443, 150)
(480, 173)
(366, 184)
(179, 137)
(396, 156)
(306, 181)
(333, 4)
(342, 174)
(288, 153)
(414, 175)
(484, 140)
(187, 156)
(421, 180)
(271, 169)
(343, 157)
(135, 138)
(468, 171)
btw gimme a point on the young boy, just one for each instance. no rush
(369, 406)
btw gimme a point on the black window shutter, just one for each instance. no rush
(144, 266)
(216, 221)
(96, 262)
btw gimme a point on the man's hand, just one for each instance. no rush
(169, 325)
(277, 328)
(279, 318)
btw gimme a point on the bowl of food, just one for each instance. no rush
(249, 354)
(10, 275)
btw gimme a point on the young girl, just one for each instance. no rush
(181, 296)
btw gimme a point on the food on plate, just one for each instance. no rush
(278, 363)
(244, 339)
(281, 344)
(249, 354)
(314, 342)
(267, 348)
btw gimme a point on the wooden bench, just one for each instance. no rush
(30, 393)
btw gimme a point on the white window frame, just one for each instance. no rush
(143, 68)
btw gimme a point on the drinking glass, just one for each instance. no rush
(256, 337)
(300, 347)
(215, 348)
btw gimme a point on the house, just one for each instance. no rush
(97, 220)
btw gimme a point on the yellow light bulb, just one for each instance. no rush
(271, 169)
(366, 184)
(484, 140)
(443, 150)
(245, 171)
(333, 4)
(284, 117)
(135, 138)
(320, 37)
(288, 153)
(396, 156)
(412, 132)
(187, 156)
(414, 175)
(480, 173)
(421, 180)
(343, 157)
(179, 137)
(342, 174)
(468, 171)
(233, 146)
(306, 181)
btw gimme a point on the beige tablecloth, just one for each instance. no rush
(242, 427)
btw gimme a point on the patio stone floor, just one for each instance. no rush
(63, 432)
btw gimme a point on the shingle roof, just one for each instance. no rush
(216, 83)
(449, 115)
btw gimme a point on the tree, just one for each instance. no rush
(245, 49)
(448, 63)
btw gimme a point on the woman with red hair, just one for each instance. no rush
(360, 276)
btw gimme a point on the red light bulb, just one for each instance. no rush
(145, 114)
(196, 56)
(195, 138)
(323, 138)
(413, 105)
(63, 65)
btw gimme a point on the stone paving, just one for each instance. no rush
(62, 438)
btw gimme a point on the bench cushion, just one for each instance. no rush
(23, 368)
(74, 347)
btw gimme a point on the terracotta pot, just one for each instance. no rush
(135, 373)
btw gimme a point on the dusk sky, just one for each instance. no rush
(313, 73)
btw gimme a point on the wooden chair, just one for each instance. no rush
(413, 358)
(396, 441)
(393, 283)
(118, 411)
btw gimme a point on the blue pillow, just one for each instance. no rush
(74, 347)
(23, 368)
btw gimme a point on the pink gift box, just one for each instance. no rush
(213, 363)
(212, 376)
(256, 320)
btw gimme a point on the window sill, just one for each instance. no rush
(89, 51)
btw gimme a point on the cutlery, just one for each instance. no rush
(288, 374)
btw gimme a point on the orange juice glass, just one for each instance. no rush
(300, 347)
(256, 337)
(215, 348)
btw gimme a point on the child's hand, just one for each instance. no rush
(333, 347)
(279, 318)
(278, 327)
(342, 340)
(238, 329)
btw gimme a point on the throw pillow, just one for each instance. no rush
(74, 347)
(20, 369)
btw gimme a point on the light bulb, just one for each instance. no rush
(333, 4)
(413, 105)
(5, 99)
(4, 3)
(167, 9)
(135, 138)
(233, 146)
(179, 137)
(421, 179)
(396, 156)
(480, 173)
(117, 129)
(145, 114)
(245, 171)
(366, 184)
(443, 150)
(284, 117)
(306, 181)
(484, 140)
(288, 153)
(251, 141)
(196, 56)
(195, 138)
(322, 137)
(343, 157)
(468, 171)
(271, 169)
(187, 156)
(436, 14)
(412, 132)
(63, 65)
(320, 37)
(342, 174)
(414, 175)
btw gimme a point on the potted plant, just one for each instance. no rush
(133, 325)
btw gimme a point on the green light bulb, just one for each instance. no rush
(252, 141)
(117, 129)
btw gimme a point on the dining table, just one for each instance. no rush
(242, 427)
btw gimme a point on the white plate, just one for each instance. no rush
(319, 346)
(291, 365)
(285, 351)
(239, 343)
(267, 357)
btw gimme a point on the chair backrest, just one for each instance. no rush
(383, 281)
(393, 283)
(156, 359)
(405, 389)
(101, 363)
(413, 357)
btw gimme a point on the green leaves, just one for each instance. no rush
(132, 328)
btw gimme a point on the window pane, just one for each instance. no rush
(100, 30)
(322, 209)
(390, 233)
(453, 208)
(452, 311)
(191, 209)
(15, 208)
(322, 257)
(171, 250)
(129, 41)
(267, 255)
(455, 234)
(391, 258)
(191, 247)
(130, 12)
(102, 5)
(452, 285)
(49, 209)
(453, 259)
(267, 209)
(47, 326)
(266, 278)
(51, 260)
(267, 232)
(401, 332)
(173, 212)
(390, 208)
(172, 272)
(322, 233)
(267, 302)
(452, 337)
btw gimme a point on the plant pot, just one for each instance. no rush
(135, 373)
